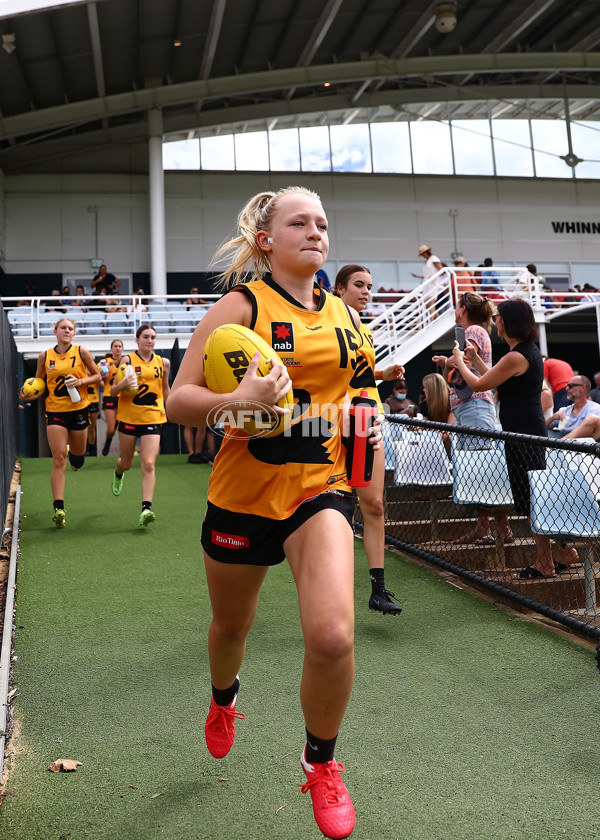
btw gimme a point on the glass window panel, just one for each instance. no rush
(432, 153)
(391, 147)
(314, 146)
(586, 145)
(472, 147)
(285, 153)
(550, 141)
(351, 148)
(181, 154)
(252, 151)
(512, 148)
(217, 152)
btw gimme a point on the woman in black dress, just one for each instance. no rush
(518, 379)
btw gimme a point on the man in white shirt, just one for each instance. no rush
(432, 265)
(582, 417)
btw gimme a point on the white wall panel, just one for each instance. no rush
(48, 226)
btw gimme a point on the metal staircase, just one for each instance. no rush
(415, 321)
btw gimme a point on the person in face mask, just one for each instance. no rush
(398, 401)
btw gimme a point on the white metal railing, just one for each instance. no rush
(98, 316)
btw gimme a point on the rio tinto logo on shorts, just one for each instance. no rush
(282, 336)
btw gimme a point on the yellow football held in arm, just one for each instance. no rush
(227, 353)
(33, 387)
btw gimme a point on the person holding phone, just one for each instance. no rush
(473, 316)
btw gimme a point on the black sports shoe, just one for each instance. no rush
(384, 602)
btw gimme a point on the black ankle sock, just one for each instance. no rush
(59, 504)
(146, 505)
(319, 750)
(224, 696)
(118, 475)
(377, 580)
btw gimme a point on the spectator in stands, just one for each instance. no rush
(113, 304)
(79, 298)
(29, 293)
(432, 265)
(595, 392)
(195, 299)
(582, 417)
(490, 279)
(465, 279)
(558, 373)
(474, 408)
(105, 280)
(66, 296)
(100, 299)
(398, 401)
(55, 306)
(436, 405)
(518, 377)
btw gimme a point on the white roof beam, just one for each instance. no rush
(315, 40)
(519, 24)
(212, 38)
(92, 14)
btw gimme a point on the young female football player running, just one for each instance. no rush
(353, 285)
(141, 415)
(285, 496)
(109, 403)
(65, 366)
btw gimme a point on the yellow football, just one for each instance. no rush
(121, 374)
(227, 353)
(33, 387)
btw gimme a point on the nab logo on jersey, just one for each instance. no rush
(282, 336)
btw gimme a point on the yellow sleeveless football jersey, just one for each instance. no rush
(108, 382)
(58, 367)
(92, 392)
(271, 477)
(364, 375)
(147, 407)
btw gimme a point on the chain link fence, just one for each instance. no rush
(516, 514)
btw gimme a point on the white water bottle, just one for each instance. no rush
(131, 374)
(73, 392)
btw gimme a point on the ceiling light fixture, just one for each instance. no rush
(177, 42)
(8, 42)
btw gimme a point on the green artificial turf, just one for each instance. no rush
(465, 721)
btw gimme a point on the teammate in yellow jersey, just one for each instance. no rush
(68, 370)
(94, 411)
(141, 415)
(285, 496)
(353, 284)
(109, 403)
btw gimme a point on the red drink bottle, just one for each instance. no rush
(359, 460)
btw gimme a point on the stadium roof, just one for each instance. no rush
(77, 79)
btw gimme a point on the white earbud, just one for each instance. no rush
(269, 240)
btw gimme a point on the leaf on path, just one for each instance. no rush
(66, 764)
